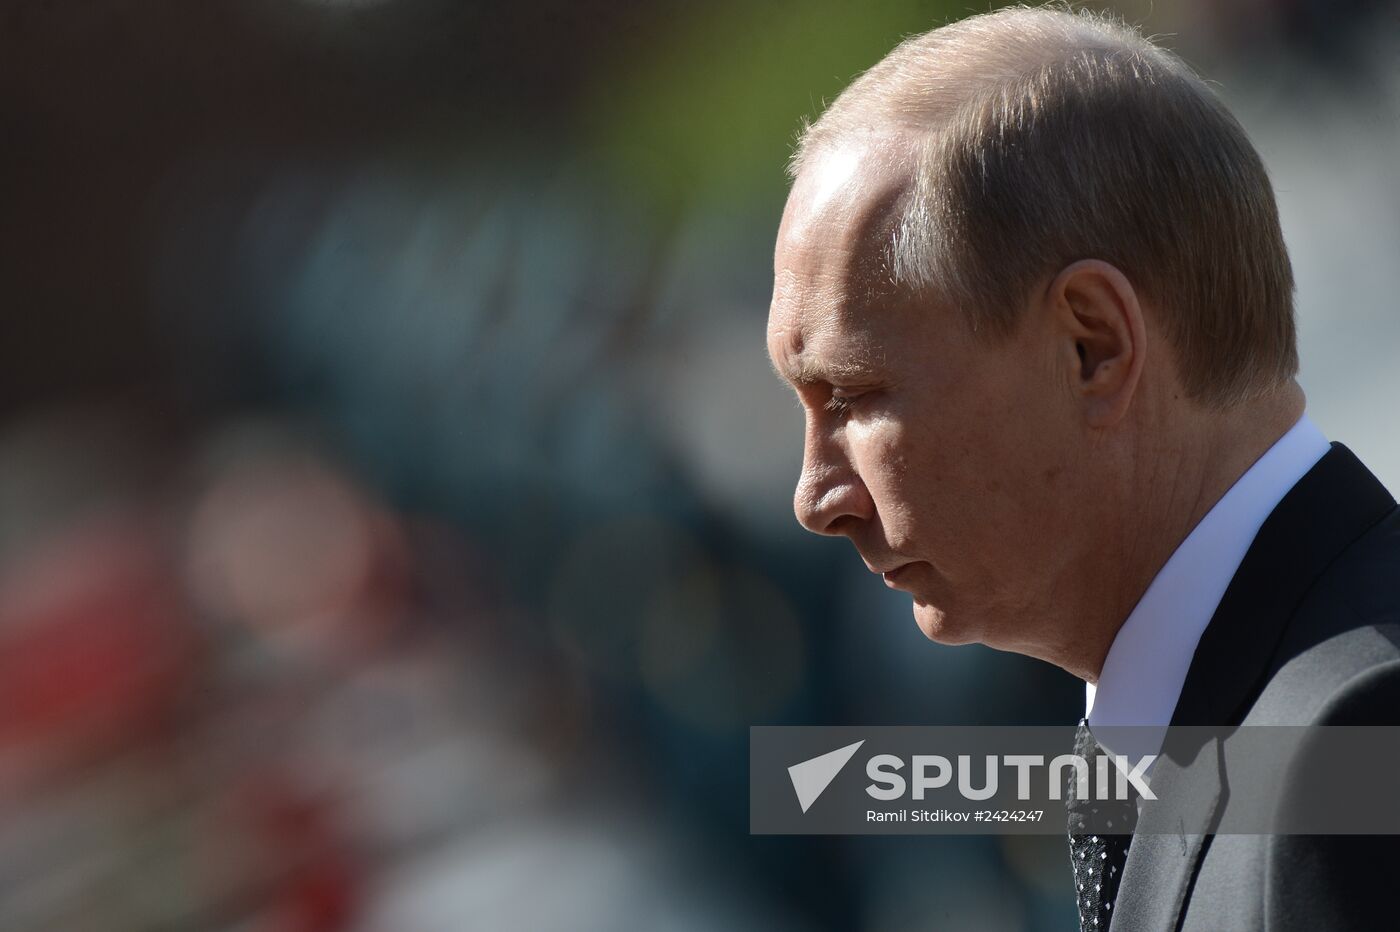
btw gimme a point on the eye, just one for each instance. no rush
(842, 401)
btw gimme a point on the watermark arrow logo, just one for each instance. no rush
(811, 777)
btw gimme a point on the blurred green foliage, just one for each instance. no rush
(709, 105)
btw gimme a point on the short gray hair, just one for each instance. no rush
(1042, 136)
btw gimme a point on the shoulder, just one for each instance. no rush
(1337, 664)
(1338, 661)
(1337, 882)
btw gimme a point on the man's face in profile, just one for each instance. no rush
(941, 455)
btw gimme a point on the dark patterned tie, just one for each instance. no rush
(1097, 859)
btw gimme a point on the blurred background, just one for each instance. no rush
(395, 525)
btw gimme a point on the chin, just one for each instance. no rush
(938, 626)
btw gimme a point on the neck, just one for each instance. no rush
(1168, 486)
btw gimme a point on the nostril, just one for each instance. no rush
(840, 525)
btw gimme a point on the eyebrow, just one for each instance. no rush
(808, 371)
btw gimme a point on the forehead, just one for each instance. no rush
(833, 292)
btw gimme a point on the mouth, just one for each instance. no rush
(892, 576)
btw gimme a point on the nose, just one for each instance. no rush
(830, 497)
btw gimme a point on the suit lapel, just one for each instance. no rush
(1329, 508)
(1171, 834)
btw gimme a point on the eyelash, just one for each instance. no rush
(840, 405)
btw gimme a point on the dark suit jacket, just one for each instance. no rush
(1308, 632)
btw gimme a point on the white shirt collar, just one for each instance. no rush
(1146, 665)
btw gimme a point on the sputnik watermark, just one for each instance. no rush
(1274, 779)
(929, 772)
(933, 772)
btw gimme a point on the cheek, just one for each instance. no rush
(909, 474)
(880, 449)
(963, 482)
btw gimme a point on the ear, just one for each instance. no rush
(1100, 323)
